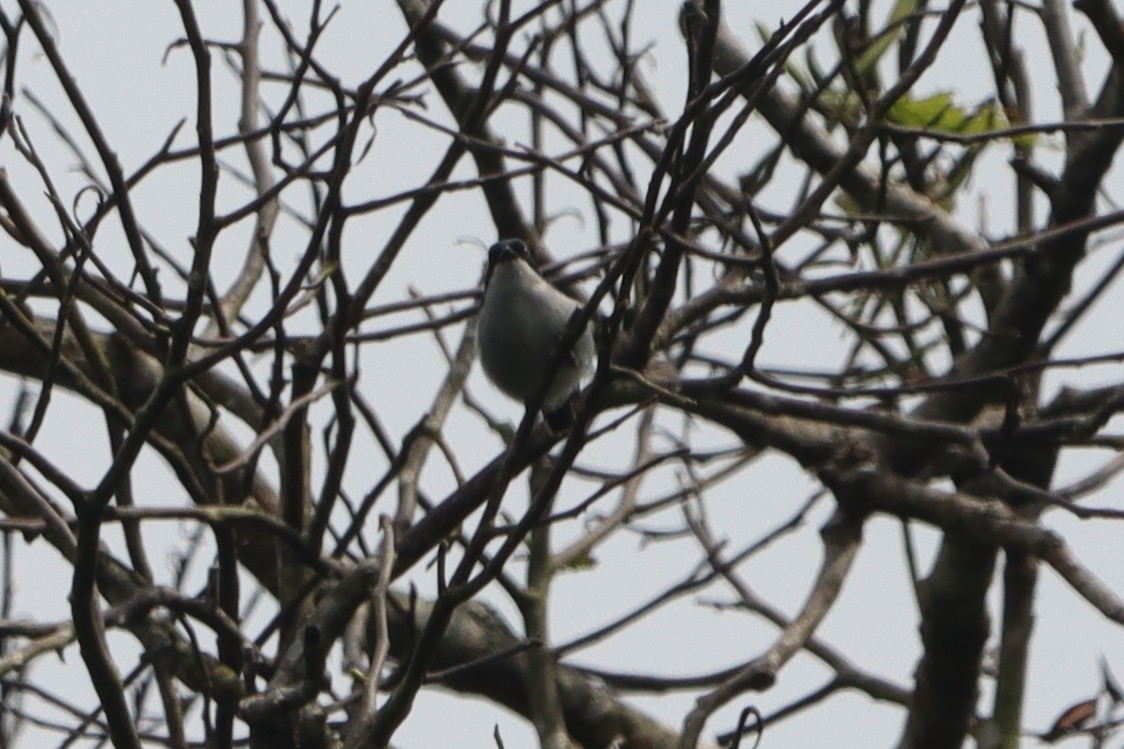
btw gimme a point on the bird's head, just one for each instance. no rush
(505, 251)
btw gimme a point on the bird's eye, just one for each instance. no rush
(518, 247)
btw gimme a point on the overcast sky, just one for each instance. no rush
(117, 51)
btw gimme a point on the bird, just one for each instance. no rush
(521, 325)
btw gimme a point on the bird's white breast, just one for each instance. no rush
(520, 326)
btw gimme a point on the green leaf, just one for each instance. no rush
(940, 114)
(934, 112)
(581, 563)
(840, 106)
(887, 38)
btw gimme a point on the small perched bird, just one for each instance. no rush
(521, 325)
